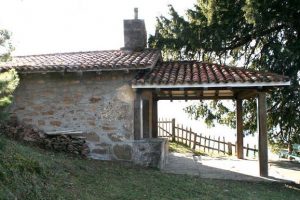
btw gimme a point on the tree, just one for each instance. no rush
(8, 80)
(261, 35)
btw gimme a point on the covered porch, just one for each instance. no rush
(189, 80)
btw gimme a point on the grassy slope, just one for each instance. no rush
(31, 173)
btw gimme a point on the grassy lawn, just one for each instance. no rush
(31, 173)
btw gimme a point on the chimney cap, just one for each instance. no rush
(136, 13)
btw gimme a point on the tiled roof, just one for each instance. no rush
(197, 74)
(84, 61)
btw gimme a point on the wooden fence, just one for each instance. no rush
(179, 133)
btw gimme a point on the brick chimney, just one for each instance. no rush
(135, 35)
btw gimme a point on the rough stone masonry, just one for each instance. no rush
(99, 105)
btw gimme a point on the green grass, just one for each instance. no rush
(31, 173)
(182, 148)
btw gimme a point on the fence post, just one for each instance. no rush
(195, 141)
(219, 144)
(173, 130)
(247, 151)
(229, 148)
(254, 152)
(182, 133)
(208, 144)
(190, 138)
(200, 141)
(224, 150)
(204, 143)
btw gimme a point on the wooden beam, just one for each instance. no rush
(194, 97)
(239, 129)
(262, 137)
(246, 94)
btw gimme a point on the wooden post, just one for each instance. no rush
(208, 144)
(145, 118)
(190, 138)
(224, 150)
(262, 131)
(182, 133)
(137, 116)
(173, 130)
(195, 141)
(254, 152)
(239, 129)
(247, 150)
(154, 118)
(200, 141)
(204, 143)
(229, 148)
(177, 135)
(218, 144)
(186, 135)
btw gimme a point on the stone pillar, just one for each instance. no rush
(262, 131)
(239, 129)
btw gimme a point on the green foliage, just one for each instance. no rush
(9, 80)
(8, 83)
(5, 45)
(260, 35)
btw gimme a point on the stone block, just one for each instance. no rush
(27, 120)
(99, 151)
(108, 128)
(92, 123)
(122, 152)
(92, 137)
(41, 122)
(115, 137)
(150, 152)
(55, 123)
(38, 107)
(68, 100)
(95, 99)
(49, 112)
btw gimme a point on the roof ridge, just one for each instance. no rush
(91, 51)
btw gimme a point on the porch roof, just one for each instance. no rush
(194, 74)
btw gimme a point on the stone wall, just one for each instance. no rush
(100, 105)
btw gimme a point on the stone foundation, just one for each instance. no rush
(151, 152)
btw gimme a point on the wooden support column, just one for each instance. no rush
(154, 118)
(239, 129)
(145, 119)
(137, 116)
(262, 131)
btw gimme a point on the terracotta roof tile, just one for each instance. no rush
(197, 73)
(84, 61)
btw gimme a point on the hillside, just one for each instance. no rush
(32, 173)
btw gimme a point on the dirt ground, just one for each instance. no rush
(232, 168)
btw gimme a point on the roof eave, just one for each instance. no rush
(213, 85)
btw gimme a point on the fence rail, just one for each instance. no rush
(179, 133)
